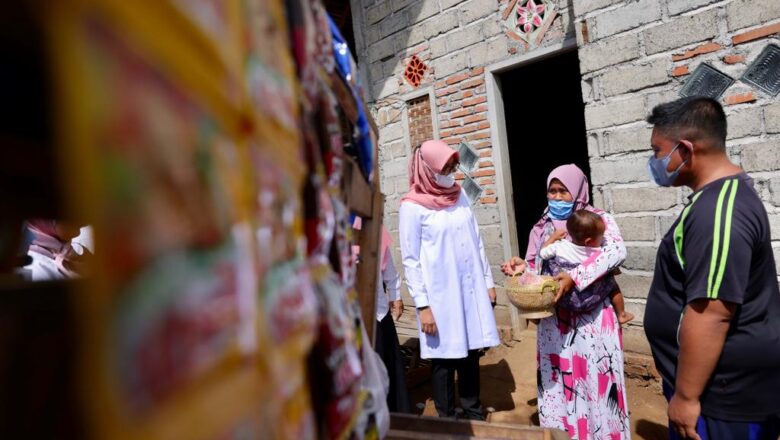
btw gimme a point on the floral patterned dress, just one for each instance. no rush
(580, 358)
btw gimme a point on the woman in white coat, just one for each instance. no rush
(448, 277)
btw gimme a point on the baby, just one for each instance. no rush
(587, 232)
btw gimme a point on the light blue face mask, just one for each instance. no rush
(657, 169)
(559, 209)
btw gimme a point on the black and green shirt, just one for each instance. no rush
(720, 248)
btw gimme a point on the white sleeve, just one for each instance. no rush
(391, 278)
(549, 252)
(483, 257)
(410, 235)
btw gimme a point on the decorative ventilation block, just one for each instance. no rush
(764, 72)
(415, 71)
(706, 81)
(529, 19)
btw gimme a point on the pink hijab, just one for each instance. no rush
(384, 246)
(428, 160)
(576, 182)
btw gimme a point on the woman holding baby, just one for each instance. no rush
(580, 357)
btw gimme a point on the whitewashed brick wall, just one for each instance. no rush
(634, 54)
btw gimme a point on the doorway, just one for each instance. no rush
(545, 127)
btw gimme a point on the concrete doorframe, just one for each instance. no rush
(500, 145)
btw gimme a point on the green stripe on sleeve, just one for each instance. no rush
(726, 240)
(716, 233)
(680, 229)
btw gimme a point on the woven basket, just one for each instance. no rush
(534, 301)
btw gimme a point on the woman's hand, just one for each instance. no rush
(514, 266)
(397, 309)
(565, 285)
(427, 323)
(492, 296)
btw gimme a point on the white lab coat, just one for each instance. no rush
(393, 282)
(446, 269)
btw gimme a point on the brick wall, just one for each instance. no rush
(633, 55)
(457, 40)
(420, 123)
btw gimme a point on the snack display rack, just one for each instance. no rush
(219, 149)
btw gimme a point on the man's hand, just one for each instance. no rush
(427, 323)
(514, 266)
(396, 309)
(683, 415)
(565, 285)
(492, 296)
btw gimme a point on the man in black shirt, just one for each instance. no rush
(713, 311)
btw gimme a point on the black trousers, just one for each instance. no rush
(443, 378)
(386, 345)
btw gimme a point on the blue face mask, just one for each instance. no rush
(559, 209)
(657, 169)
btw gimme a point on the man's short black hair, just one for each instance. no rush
(692, 117)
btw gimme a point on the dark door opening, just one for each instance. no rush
(545, 125)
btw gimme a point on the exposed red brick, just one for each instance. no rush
(441, 84)
(457, 78)
(480, 108)
(473, 83)
(446, 91)
(474, 101)
(448, 124)
(468, 93)
(489, 192)
(488, 200)
(462, 112)
(734, 59)
(442, 101)
(477, 71)
(483, 173)
(445, 133)
(704, 48)
(460, 176)
(485, 152)
(680, 71)
(509, 9)
(740, 98)
(481, 145)
(755, 34)
(513, 36)
(451, 141)
(478, 136)
(486, 181)
(485, 164)
(513, 50)
(475, 118)
(465, 129)
(484, 124)
(585, 32)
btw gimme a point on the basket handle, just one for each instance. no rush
(552, 284)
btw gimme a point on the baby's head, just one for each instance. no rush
(585, 228)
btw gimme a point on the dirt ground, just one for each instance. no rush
(508, 380)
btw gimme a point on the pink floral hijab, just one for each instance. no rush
(428, 160)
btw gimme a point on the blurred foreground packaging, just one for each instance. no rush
(204, 143)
